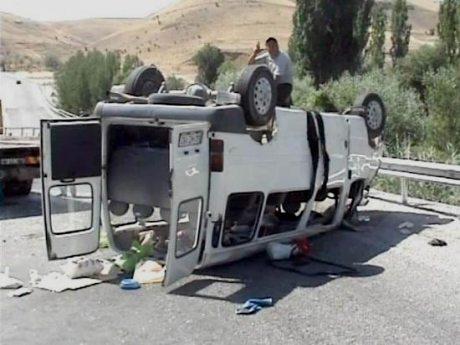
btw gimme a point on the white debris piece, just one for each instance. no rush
(20, 292)
(149, 272)
(364, 219)
(7, 282)
(82, 267)
(109, 271)
(279, 251)
(58, 282)
(406, 225)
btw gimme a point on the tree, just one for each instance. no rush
(208, 60)
(175, 83)
(458, 27)
(400, 30)
(85, 79)
(443, 104)
(377, 41)
(329, 37)
(448, 26)
(413, 69)
(130, 62)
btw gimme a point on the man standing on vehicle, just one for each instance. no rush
(280, 64)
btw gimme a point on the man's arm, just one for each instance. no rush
(252, 58)
(256, 51)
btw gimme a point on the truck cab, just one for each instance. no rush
(213, 182)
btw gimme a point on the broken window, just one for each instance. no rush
(283, 212)
(71, 208)
(241, 217)
(188, 227)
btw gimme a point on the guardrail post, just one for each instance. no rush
(404, 192)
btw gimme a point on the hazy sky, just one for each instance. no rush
(78, 9)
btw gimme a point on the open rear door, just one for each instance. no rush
(189, 182)
(71, 182)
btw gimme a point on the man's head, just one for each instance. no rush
(272, 46)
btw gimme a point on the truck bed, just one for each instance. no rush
(7, 142)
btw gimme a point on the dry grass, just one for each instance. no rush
(170, 38)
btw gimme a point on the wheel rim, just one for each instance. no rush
(262, 95)
(374, 115)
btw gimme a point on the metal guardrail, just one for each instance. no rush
(29, 132)
(53, 108)
(405, 169)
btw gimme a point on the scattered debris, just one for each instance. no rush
(364, 219)
(20, 292)
(436, 242)
(253, 305)
(404, 228)
(406, 225)
(58, 282)
(109, 271)
(405, 231)
(128, 261)
(280, 251)
(7, 282)
(81, 267)
(129, 284)
(149, 272)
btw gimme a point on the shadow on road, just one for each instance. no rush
(255, 277)
(31, 206)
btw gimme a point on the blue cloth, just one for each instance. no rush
(129, 284)
(253, 305)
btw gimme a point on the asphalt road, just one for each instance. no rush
(405, 292)
(23, 104)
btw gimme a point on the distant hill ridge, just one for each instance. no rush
(170, 37)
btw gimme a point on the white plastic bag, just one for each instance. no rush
(279, 251)
(82, 267)
(149, 272)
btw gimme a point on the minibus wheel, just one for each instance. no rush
(143, 81)
(258, 94)
(374, 113)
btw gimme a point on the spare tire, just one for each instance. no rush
(374, 113)
(258, 94)
(143, 81)
(176, 99)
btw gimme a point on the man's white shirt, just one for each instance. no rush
(280, 66)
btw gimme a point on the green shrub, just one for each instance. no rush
(304, 92)
(227, 66)
(175, 83)
(417, 64)
(52, 62)
(424, 190)
(405, 122)
(130, 62)
(208, 60)
(86, 77)
(226, 78)
(443, 103)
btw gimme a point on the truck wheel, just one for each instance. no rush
(16, 188)
(258, 94)
(374, 114)
(143, 81)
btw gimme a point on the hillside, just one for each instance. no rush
(171, 37)
(26, 42)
